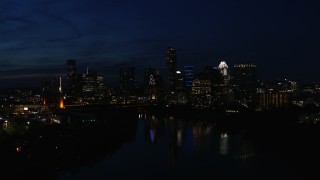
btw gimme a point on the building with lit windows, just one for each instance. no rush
(220, 87)
(201, 86)
(101, 87)
(201, 91)
(223, 67)
(273, 100)
(188, 76)
(153, 84)
(181, 92)
(245, 84)
(147, 73)
(171, 59)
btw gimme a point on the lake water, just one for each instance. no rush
(170, 148)
(143, 146)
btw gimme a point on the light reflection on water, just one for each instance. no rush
(167, 148)
(224, 143)
(145, 146)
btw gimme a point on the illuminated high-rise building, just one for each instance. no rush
(181, 94)
(89, 83)
(201, 91)
(150, 84)
(223, 67)
(245, 83)
(188, 76)
(172, 68)
(201, 85)
(147, 73)
(180, 81)
(153, 84)
(101, 88)
(92, 86)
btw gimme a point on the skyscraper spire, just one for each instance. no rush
(223, 67)
(60, 85)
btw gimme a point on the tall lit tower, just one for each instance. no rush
(172, 68)
(147, 73)
(223, 67)
(245, 83)
(60, 85)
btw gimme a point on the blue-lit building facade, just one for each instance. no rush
(188, 75)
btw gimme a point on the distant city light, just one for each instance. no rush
(61, 105)
(18, 149)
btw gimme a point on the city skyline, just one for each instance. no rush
(38, 36)
(139, 79)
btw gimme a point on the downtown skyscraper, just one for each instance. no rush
(171, 59)
(127, 79)
(73, 79)
(245, 83)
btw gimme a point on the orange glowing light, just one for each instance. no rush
(18, 149)
(61, 104)
(44, 102)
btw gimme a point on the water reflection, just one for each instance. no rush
(245, 150)
(153, 129)
(179, 137)
(195, 136)
(224, 143)
(99, 146)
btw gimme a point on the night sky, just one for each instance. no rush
(38, 36)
